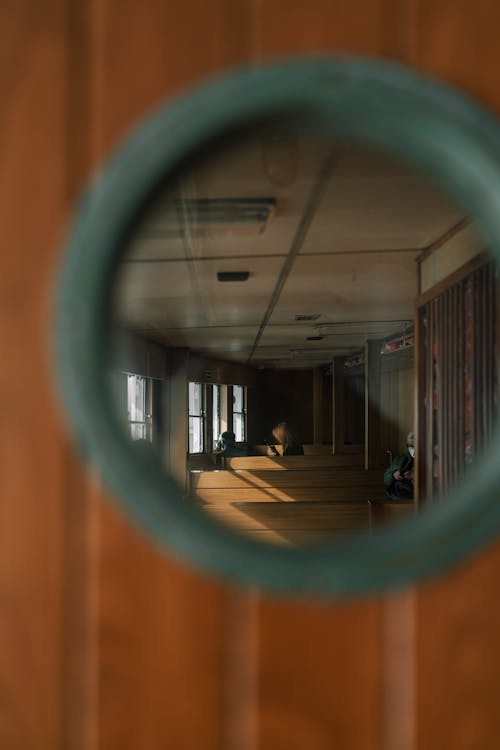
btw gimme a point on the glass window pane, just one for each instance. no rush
(136, 398)
(139, 407)
(239, 427)
(215, 412)
(238, 398)
(195, 399)
(138, 431)
(195, 435)
(191, 397)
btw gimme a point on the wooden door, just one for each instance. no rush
(106, 641)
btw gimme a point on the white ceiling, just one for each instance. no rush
(356, 261)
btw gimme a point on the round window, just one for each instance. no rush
(277, 326)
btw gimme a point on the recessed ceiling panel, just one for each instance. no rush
(250, 169)
(377, 287)
(176, 295)
(380, 214)
(210, 339)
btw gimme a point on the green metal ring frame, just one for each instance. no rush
(386, 105)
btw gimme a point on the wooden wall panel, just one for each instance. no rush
(320, 674)
(104, 641)
(458, 684)
(285, 396)
(338, 411)
(374, 457)
(148, 55)
(315, 659)
(458, 657)
(284, 28)
(161, 664)
(162, 631)
(396, 407)
(459, 43)
(32, 503)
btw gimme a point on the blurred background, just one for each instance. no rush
(106, 641)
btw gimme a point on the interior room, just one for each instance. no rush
(288, 276)
(356, 302)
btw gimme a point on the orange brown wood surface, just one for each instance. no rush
(104, 640)
(33, 502)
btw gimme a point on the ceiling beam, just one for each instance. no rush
(205, 258)
(315, 197)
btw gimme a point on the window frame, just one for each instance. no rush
(147, 422)
(376, 101)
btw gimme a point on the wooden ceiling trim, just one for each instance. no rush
(445, 237)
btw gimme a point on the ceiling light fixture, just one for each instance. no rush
(306, 317)
(233, 275)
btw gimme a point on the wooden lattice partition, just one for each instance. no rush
(457, 375)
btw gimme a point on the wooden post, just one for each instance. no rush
(178, 424)
(372, 405)
(229, 404)
(338, 404)
(224, 408)
(423, 411)
(318, 420)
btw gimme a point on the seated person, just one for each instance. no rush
(227, 448)
(398, 478)
(284, 436)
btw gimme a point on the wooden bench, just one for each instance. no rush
(300, 524)
(297, 524)
(311, 449)
(294, 477)
(288, 494)
(252, 463)
(384, 512)
(286, 486)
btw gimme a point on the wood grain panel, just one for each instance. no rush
(32, 483)
(162, 629)
(309, 449)
(458, 687)
(459, 43)
(315, 515)
(147, 57)
(283, 28)
(302, 523)
(104, 641)
(160, 646)
(292, 478)
(332, 693)
(291, 495)
(320, 674)
(321, 671)
(373, 450)
(285, 463)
